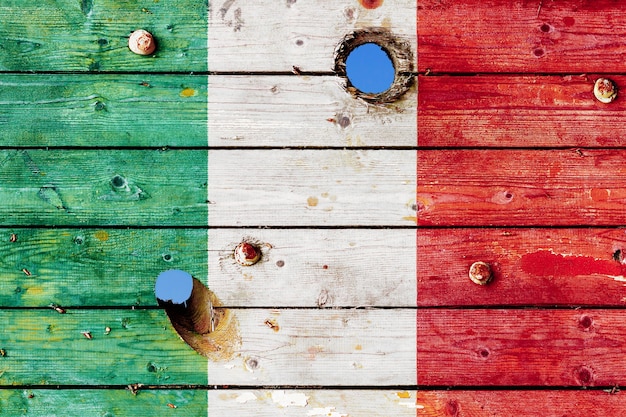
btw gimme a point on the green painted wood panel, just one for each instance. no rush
(103, 110)
(92, 35)
(94, 267)
(43, 347)
(101, 403)
(103, 187)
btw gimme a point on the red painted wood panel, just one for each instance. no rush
(519, 187)
(531, 267)
(512, 36)
(520, 403)
(521, 347)
(518, 111)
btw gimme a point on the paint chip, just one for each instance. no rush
(245, 397)
(296, 399)
(326, 412)
(404, 394)
(188, 92)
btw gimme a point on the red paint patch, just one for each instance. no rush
(371, 4)
(569, 21)
(545, 263)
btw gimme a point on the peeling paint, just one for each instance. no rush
(295, 399)
(326, 412)
(408, 404)
(245, 397)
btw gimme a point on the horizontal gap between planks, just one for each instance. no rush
(271, 307)
(573, 307)
(510, 74)
(216, 387)
(216, 148)
(512, 388)
(313, 387)
(517, 148)
(179, 227)
(563, 227)
(296, 73)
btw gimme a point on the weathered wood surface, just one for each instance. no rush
(221, 402)
(303, 111)
(520, 188)
(331, 267)
(88, 35)
(572, 36)
(518, 111)
(144, 110)
(103, 187)
(348, 347)
(521, 347)
(532, 267)
(94, 267)
(312, 188)
(520, 403)
(323, 403)
(292, 33)
(98, 402)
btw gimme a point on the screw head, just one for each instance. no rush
(141, 42)
(247, 254)
(480, 273)
(605, 90)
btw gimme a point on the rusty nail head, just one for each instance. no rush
(141, 42)
(480, 273)
(247, 254)
(605, 90)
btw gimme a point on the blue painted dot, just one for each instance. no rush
(174, 285)
(370, 69)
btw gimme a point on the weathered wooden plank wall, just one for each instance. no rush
(115, 167)
(519, 167)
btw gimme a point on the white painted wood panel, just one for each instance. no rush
(312, 187)
(276, 35)
(305, 403)
(347, 347)
(328, 267)
(292, 111)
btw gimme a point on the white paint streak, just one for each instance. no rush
(409, 404)
(245, 397)
(326, 412)
(295, 399)
(618, 278)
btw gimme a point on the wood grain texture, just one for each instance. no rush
(88, 35)
(519, 403)
(349, 347)
(303, 34)
(296, 111)
(94, 267)
(520, 347)
(302, 347)
(521, 188)
(43, 347)
(538, 267)
(517, 111)
(336, 403)
(312, 187)
(103, 187)
(329, 267)
(103, 110)
(573, 36)
(108, 403)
